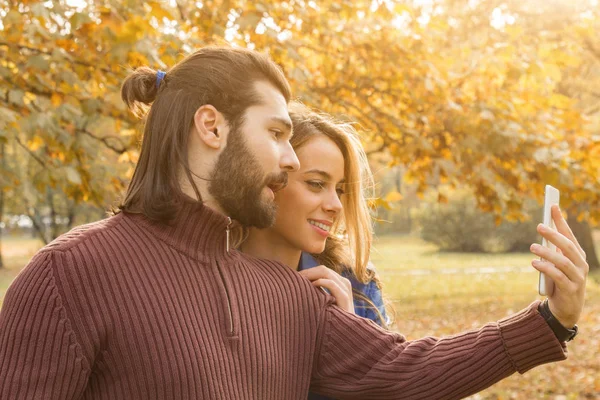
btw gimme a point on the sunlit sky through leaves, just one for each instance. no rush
(498, 19)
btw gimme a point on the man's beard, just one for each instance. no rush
(237, 182)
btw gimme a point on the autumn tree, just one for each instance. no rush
(477, 94)
(60, 73)
(472, 93)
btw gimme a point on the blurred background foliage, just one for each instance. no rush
(498, 97)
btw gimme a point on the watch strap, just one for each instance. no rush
(563, 334)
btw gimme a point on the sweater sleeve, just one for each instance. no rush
(376, 364)
(40, 357)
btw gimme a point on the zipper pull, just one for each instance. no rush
(227, 234)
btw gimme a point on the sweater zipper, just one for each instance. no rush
(227, 234)
(230, 328)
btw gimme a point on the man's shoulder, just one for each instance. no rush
(91, 247)
(84, 233)
(48, 264)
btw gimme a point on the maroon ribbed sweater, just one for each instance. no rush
(127, 309)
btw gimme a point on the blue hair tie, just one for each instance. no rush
(159, 77)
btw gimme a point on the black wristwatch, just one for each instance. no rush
(563, 334)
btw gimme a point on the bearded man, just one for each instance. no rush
(152, 303)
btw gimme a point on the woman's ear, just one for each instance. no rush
(209, 124)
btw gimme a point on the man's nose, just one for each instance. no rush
(289, 161)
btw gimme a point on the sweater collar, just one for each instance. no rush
(196, 230)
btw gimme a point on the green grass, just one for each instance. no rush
(409, 253)
(445, 297)
(414, 272)
(16, 253)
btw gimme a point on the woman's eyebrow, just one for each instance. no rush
(325, 175)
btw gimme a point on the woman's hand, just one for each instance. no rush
(567, 268)
(339, 287)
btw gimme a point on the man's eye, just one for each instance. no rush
(277, 133)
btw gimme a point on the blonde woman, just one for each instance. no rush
(323, 218)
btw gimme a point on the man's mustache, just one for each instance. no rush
(277, 182)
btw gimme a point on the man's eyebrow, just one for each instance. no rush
(324, 175)
(283, 121)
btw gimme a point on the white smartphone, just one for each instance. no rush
(551, 197)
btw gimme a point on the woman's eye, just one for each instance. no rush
(315, 184)
(340, 192)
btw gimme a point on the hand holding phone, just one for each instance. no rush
(565, 264)
(551, 197)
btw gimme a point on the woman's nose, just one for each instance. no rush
(333, 204)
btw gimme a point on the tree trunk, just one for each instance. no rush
(38, 226)
(70, 216)
(53, 215)
(2, 203)
(583, 233)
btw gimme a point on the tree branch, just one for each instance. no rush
(377, 150)
(31, 153)
(105, 140)
(592, 48)
(48, 53)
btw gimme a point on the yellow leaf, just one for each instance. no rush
(559, 101)
(157, 10)
(402, 8)
(137, 59)
(56, 99)
(35, 143)
(392, 197)
(127, 132)
(28, 98)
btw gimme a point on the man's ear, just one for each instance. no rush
(210, 126)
